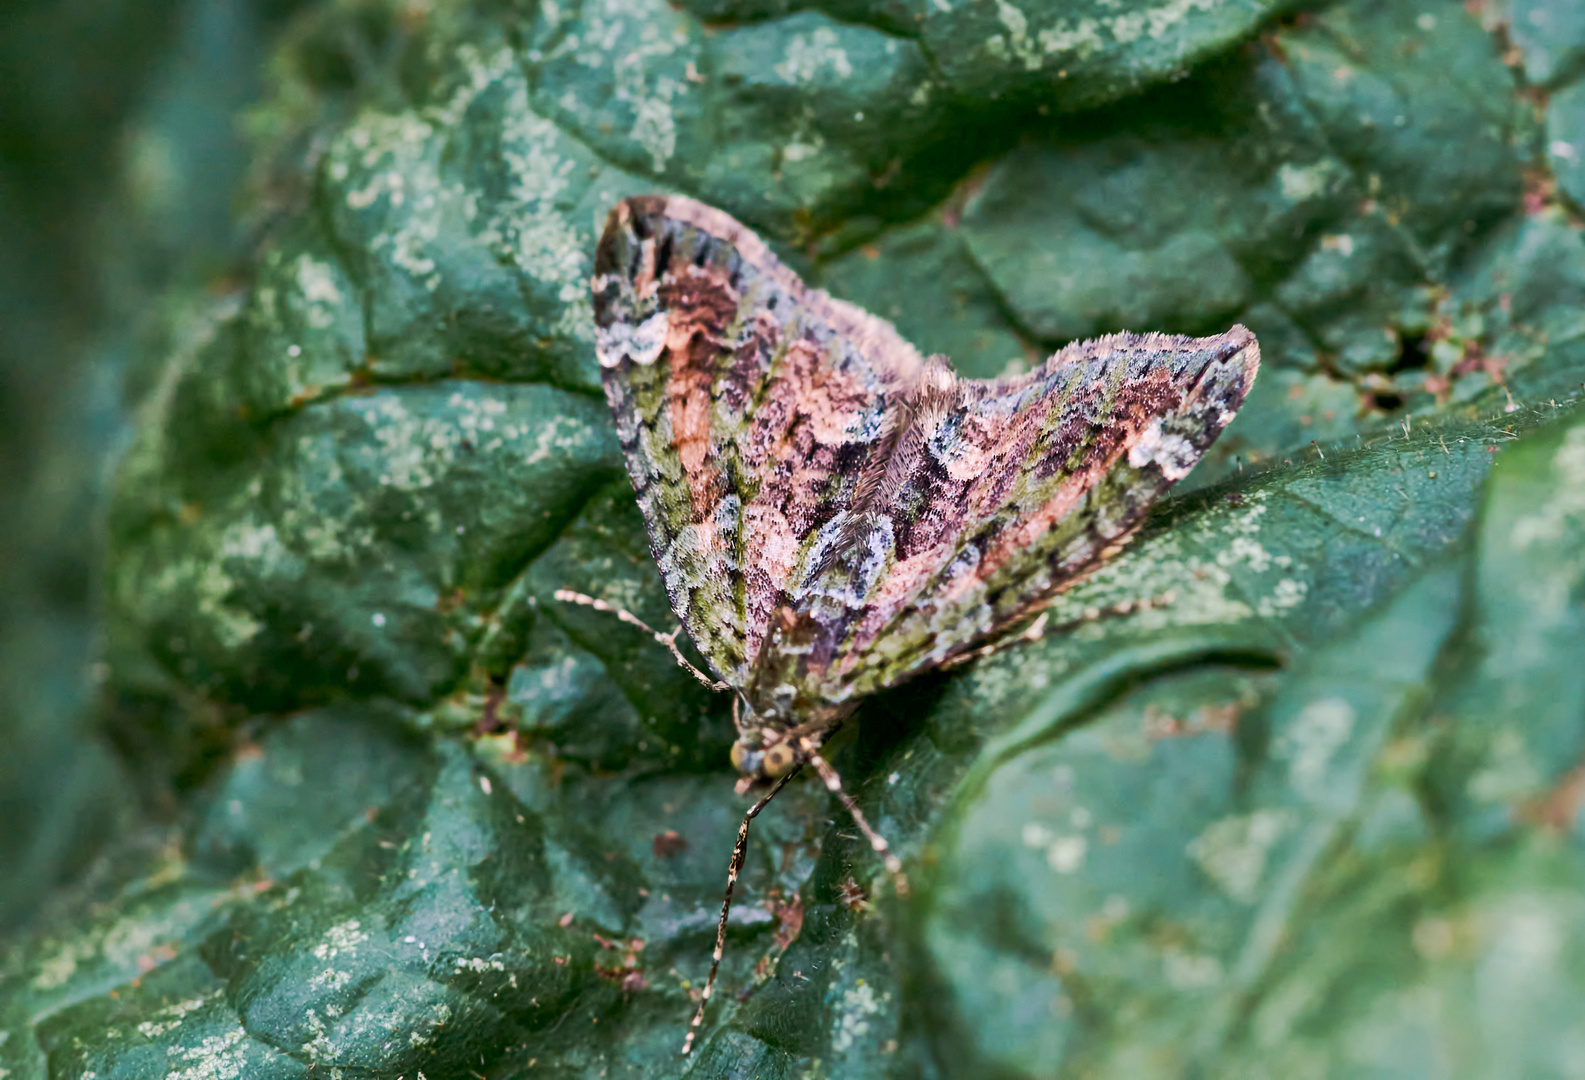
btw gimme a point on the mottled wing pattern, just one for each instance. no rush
(748, 407)
(831, 512)
(1001, 493)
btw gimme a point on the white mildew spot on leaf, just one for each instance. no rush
(330, 979)
(325, 535)
(1320, 730)
(210, 589)
(343, 937)
(399, 155)
(319, 1045)
(550, 442)
(173, 1015)
(795, 152)
(808, 54)
(257, 543)
(1006, 675)
(122, 945)
(1233, 851)
(1188, 971)
(1156, 21)
(130, 940)
(608, 46)
(1287, 593)
(218, 1057)
(1250, 553)
(1078, 39)
(57, 969)
(1163, 564)
(1525, 939)
(548, 684)
(408, 246)
(1066, 854)
(529, 228)
(1549, 524)
(413, 450)
(1301, 183)
(1150, 569)
(1247, 521)
(317, 280)
(858, 1005)
(1509, 774)
(1017, 39)
(1200, 587)
(654, 126)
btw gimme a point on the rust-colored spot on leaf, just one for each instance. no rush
(669, 843)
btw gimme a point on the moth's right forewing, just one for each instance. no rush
(1027, 484)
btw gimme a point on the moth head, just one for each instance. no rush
(771, 763)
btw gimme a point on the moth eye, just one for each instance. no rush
(779, 760)
(746, 759)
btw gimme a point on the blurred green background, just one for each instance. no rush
(120, 158)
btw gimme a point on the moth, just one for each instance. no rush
(833, 512)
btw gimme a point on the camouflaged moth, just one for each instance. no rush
(834, 513)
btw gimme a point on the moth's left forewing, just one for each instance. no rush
(747, 407)
(1028, 483)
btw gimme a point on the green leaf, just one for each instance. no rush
(1565, 130)
(1290, 785)
(1550, 37)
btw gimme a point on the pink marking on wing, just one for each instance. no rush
(688, 397)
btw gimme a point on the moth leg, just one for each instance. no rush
(833, 783)
(567, 596)
(739, 853)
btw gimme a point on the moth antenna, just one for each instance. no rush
(740, 706)
(739, 853)
(833, 783)
(567, 596)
